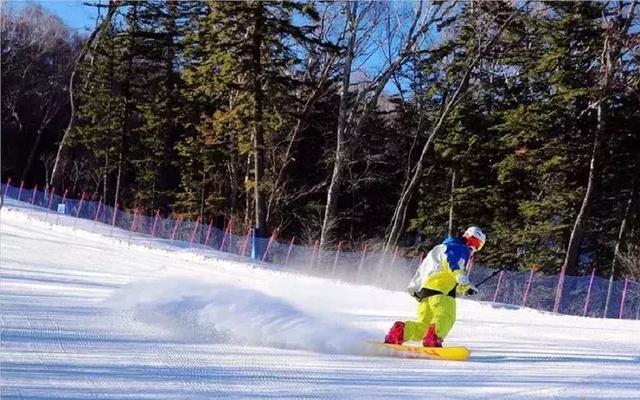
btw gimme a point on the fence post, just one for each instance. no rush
(335, 260)
(271, 239)
(624, 295)
(526, 291)
(78, 211)
(586, 300)
(364, 253)
(246, 242)
(175, 227)
(195, 230)
(230, 235)
(289, 252)
(6, 188)
(313, 254)
(224, 233)
(113, 219)
(133, 225)
(155, 223)
(80, 205)
(470, 265)
(20, 191)
(206, 240)
(495, 295)
(33, 195)
(556, 305)
(53, 191)
(95, 221)
(133, 221)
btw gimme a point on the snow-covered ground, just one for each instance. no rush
(85, 315)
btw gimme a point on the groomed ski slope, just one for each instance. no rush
(87, 316)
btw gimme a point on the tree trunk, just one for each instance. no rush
(367, 99)
(258, 138)
(411, 185)
(202, 196)
(621, 234)
(234, 165)
(126, 92)
(32, 153)
(399, 215)
(611, 52)
(105, 178)
(577, 234)
(247, 193)
(234, 178)
(118, 178)
(330, 215)
(311, 100)
(61, 156)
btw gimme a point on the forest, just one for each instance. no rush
(394, 123)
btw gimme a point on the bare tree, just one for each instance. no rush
(321, 66)
(630, 261)
(47, 160)
(37, 51)
(615, 39)
(52, 105)
(61, 156)
(365, 21)
(328, 223)
(489, 28)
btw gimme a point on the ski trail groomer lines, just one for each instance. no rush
(441, 275)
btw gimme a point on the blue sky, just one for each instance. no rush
(73, 12)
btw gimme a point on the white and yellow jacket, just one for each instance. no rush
(443, 269)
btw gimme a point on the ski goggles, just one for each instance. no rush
(474, 243)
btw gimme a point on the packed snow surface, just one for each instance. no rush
(89, 313)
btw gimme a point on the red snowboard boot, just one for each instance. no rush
(396, 333)
(431, 339)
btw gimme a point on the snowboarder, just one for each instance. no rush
(441, 275)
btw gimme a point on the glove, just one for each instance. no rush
(465, 287)
(469, 290)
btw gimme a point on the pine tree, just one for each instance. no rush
(160, 101)
(130, 104)
(99, 116)
(240, 55)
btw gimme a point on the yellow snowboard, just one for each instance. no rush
(457, 353)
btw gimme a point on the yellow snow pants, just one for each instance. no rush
(439, 310)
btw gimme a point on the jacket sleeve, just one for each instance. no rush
(462, 279)
(430, 265)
